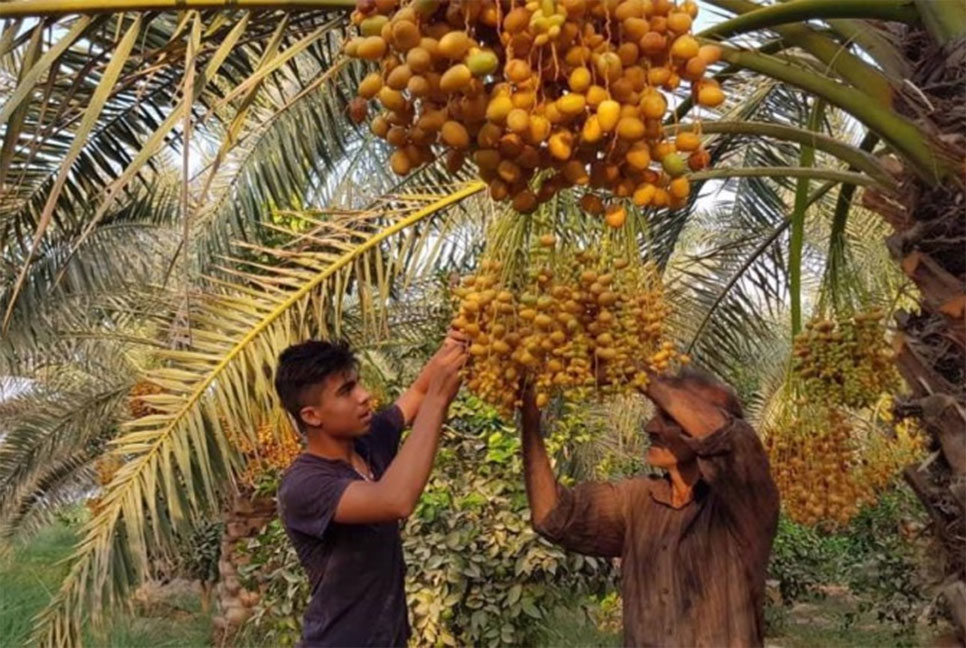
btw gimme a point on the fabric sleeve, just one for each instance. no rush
(589, 518)
(307, 501)
(384, 433)
(733, 462)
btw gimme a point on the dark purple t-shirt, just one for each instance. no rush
(356, 571)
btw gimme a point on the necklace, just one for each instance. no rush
(366, 473)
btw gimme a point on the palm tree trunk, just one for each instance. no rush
(930, 244)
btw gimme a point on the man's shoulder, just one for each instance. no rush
(637, 486)
(304, 468)
(308, 487)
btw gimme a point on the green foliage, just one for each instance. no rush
(602, 630)
(273, 570)
(28, 573)
(478, 573)
(888, 568)
(199, 551)
(31, 570)
(802, 558)
(878, 564)
(179, 624)
(824, 623)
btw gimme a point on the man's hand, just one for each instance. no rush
(445, 381)
(453, 338)
(412, 399)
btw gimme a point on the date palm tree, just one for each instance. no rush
(239, 105)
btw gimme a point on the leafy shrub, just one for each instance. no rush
(478, 573)
(886, 567)
(802, 558)
(877, 563)
(602, 630)
(199, 551)
(273, 570)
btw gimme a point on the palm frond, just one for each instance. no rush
(55, 426)
(126, 248)
(75, 337)
(63, 482)
(179, 460)
(137, 119)
(727, 275)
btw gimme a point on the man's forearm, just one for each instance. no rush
(411, 401)
(540, 481)
(695, 415)
(409, 471)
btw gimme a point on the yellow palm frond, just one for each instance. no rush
(178, 461)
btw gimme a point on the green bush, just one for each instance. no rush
(32, 569)
(802, 558)
(878, 564)
(198, 552)
(274, 572)
(478, 573)
(886, 568)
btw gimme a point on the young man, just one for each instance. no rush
(694, 543)
(341, 501)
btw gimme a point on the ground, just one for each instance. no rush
(31, 572)
(822, 624)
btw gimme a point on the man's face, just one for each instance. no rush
(341, 406)
(668, 448)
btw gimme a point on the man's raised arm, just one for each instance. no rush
(394, 496)
(588, 518)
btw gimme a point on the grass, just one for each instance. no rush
(571, 628)
(31, 572)
(183, 625)
(821, 623)
(810, 637)
(826, 622)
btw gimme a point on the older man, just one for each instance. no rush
(695, 541)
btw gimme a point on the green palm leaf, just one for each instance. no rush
(104, 87)
(53, 442)
(141, 112)
(126, 251)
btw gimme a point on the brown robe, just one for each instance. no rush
(691, 576)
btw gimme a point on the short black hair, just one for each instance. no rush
(303, 367)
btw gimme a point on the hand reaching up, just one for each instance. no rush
(453, 338)
(445, 380)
